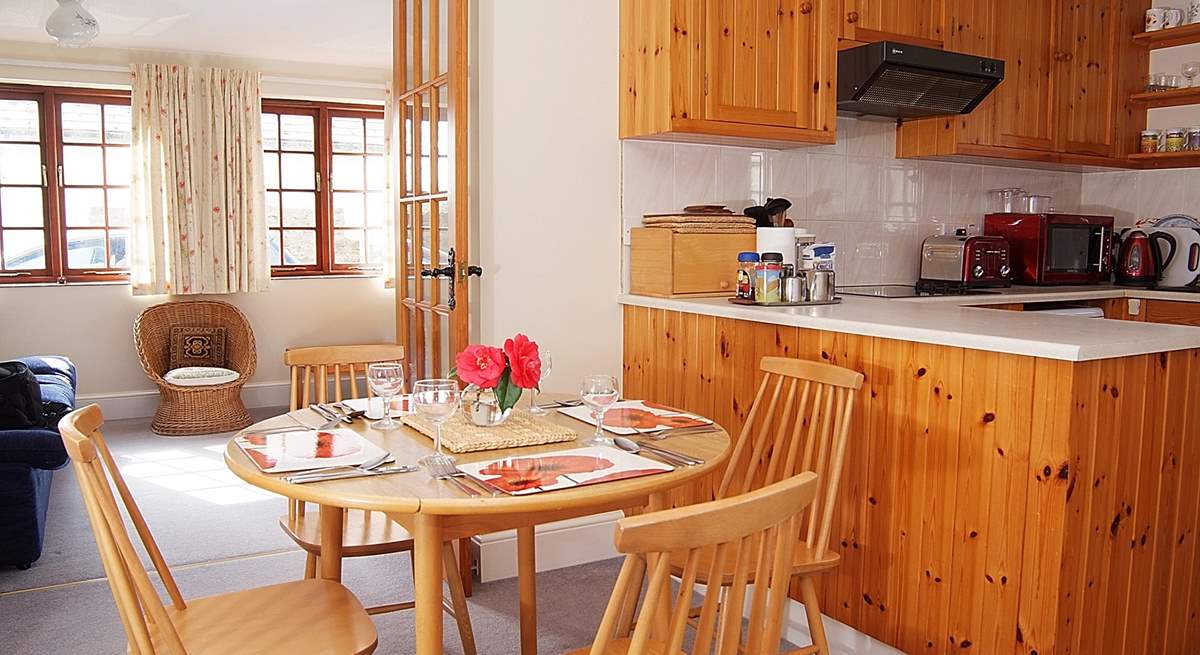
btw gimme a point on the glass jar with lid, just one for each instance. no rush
(1150, 141)
(1193, 138)
(1176, 139)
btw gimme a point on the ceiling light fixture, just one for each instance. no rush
(71, 25)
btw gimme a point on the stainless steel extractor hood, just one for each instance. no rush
(907, 81)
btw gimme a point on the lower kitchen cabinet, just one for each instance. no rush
(1171, 311)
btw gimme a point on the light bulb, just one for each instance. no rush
(71, 25)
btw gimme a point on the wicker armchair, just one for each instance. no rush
(187, 410)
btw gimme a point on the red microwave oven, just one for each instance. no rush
(1056, 248)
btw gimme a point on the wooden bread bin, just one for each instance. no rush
(673, 265)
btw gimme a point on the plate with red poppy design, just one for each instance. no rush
(565, 469)
(304, 450)
(630, 417)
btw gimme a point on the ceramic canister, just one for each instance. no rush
(1193, 12)
(1172, 17)
(1155, 17)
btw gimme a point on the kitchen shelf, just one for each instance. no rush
(1172, 98)
(1168, 38)
(1185, 159)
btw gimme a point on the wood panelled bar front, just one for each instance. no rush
(991, 503)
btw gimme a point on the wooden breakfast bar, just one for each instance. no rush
(1014, 483)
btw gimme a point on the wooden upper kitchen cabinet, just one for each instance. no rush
(919, 22)
(1070, 66)
(750, 72)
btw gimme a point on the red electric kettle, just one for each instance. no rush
(1138, 261)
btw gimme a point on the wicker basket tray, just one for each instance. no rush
(521, 429)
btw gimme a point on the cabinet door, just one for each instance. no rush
(1025, 101)
(770, 62)
(1087, 62)
(914, 21)
(1170, 311)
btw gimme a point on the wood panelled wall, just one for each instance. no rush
(991, 503)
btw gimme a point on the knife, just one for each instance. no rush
(343, 475)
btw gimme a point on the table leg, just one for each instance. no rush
(332, 526)
(527, 581)
(427, 582)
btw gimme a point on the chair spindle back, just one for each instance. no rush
(317, 368)
(807, 433)
(142, 612)
(758, 527)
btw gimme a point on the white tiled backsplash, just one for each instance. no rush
(876, 208)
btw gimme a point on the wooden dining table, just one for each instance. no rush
(437, 511)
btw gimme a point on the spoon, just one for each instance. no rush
(631, 446)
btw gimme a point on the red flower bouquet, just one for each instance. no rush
(508, 371)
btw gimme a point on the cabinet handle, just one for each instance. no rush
(852, 17)
(805, 7)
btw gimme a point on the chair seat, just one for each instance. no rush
(804, 561)
(308, 616)
(621, 647)
(365, 533)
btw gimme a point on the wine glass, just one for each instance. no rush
(436, 401)
(387, 381)
(547, 366)
(1190, 70)
(599, 392)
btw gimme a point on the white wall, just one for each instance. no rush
(93, 325)
(547, 185)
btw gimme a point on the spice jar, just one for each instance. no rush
(767, 276)
(1176, 139)
(747, 261)
(1193, 137)
(1150, 140)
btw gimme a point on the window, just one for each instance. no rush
(325, 173)
(64, 184)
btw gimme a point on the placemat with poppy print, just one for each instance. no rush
(521, 429)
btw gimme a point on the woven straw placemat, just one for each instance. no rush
(521, 429)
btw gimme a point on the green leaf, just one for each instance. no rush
(507, 393)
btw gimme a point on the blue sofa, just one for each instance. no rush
(28, 459)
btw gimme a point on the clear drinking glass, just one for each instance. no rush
(599, 392)
(547, 365)
(1190, 70)
(436, 401)
(387, 381)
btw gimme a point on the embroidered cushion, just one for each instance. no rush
(199, 376)
(197, 346)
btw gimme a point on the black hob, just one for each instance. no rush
(908, 291)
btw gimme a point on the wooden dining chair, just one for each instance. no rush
(746, 539)
(799, 421)
(307, 616)
(315, 371)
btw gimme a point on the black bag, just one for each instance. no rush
(20, 398)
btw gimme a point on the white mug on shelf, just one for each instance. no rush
(1155, 17)
(1172, 17)
(1193, 12)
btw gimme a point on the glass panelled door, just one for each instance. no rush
(430, 91)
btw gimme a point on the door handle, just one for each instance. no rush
(444, 271)
(447, 272)
(468, 271)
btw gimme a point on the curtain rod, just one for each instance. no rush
(111, 68)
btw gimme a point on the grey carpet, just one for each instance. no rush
(220, 535)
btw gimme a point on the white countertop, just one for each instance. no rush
(945, 320)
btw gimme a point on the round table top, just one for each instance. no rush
(416, 492)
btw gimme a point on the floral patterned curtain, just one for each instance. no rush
(197, 198)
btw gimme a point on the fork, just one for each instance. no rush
(442, 468)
